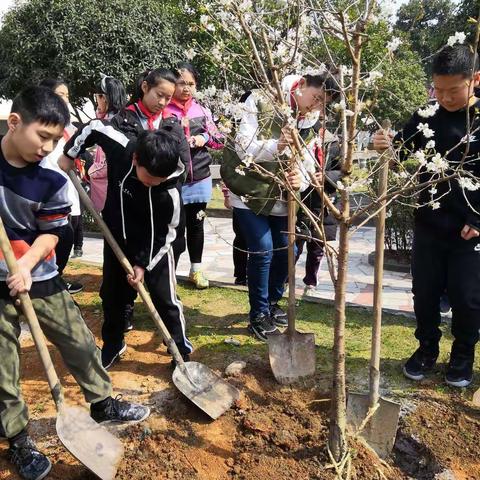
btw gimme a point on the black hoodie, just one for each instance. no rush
(145, 219)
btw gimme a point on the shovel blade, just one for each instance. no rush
(89, 442)
(207, 390)
(292, 356)
(476, 398)
(381, 429)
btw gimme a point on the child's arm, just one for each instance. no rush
(215, 139)
(97, 132)
(21, 282)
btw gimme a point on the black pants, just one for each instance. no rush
(314, 259)
(444, 263)
(64, 247)
(116, 293)
(240, 255)
(195, 235)
(77, 225)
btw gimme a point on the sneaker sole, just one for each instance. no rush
(280, 323)
(76, 290)
(128, 329)
(116, 358)
(458, 384)
(46, 472)
(416, 378)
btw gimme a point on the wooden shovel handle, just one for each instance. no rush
(374, 390)
(144, 295)
(31, 316)
(291, 263)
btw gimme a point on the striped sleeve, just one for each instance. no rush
(53, 213)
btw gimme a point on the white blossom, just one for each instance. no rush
(430, 144)
(468, 184)
(373, 76)
(459, 37)
(248, 160)
(429, 110)
(245, 5)
(435, 205)
(433, 190)
(437, 164)
(426, 130)
(240, 170)
(210, 91)
(393, 44)
(419, 155)
(286, 110)
(190, 54)
(205, 21)
(201, 215)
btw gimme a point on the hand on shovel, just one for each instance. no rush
(19, 282)
(137, 278)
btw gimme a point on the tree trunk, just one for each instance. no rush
(337, 439)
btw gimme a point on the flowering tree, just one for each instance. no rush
(258, 43)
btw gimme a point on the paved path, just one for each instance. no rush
(218, 266)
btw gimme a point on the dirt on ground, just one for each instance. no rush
(273, 432)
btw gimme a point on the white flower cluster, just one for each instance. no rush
(429, 111)
(206, 23)
(437, 164)
(373, 76)
(468, 184)
(426, 130)
(393, 44)
(430, 145)
(435, 205)
(419, 155)
(201, 215)
(459, 37)
(341, 106)
(190, 54)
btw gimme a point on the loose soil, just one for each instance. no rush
(273, 432)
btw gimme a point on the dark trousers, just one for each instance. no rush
(195, 234)
(64, 247)
(77, 226)
(313, 261)
(442, 263)
(240, 255)
(116, 293)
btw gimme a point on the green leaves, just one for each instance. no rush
(78, 39)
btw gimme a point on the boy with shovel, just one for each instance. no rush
(144, 213)
(34, 208)
(446, 247)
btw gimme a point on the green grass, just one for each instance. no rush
(216, 314)
(217, 198)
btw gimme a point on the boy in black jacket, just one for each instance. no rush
(446, 248)
(144, 211)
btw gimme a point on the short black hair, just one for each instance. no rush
(328, 80)
(53, 83)
(459, 59)
(41, 104)
(158, 151)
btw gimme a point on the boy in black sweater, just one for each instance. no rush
(446, 248)
(144, 212)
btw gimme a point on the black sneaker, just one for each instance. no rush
(128, 318)
(74, 287)
(118, 410)
(460, 367)
(185, 356)
(31, 464)
(420, 363)
(261, 326)
(77, 253)
(241, 281)
(111, 354)
(278, 316)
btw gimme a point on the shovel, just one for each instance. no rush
(375, 418)
(196, 381)
(292, 354)
(85, 439)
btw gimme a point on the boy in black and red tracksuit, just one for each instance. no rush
(143, 209)
(446, 247)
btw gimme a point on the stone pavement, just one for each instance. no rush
(218, 266)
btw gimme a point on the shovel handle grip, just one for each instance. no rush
(144, 295)
(32, 320)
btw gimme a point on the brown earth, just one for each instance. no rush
(273, 432)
